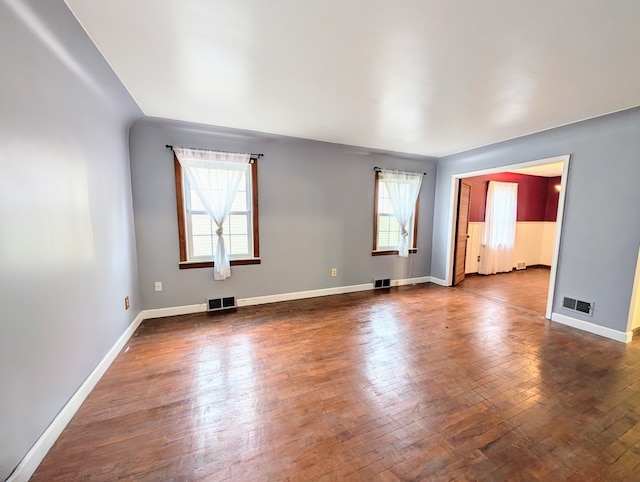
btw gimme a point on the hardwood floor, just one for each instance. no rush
(418, 383)
(526, 289)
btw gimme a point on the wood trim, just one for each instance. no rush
(375, 212)
(210, 264)
(182, 222)
(182, 225)
(254, 208)
(375, 223)
(416, 210)
(391, 251)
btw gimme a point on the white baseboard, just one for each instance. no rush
(299, 295)
(34, 456)
(411, 281)
(624, 337)
(295, 295)
(439, 281)
(174, 310)
(338, 290)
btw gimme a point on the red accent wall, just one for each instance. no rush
(537, 197)
(553, 195)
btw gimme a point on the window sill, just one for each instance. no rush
(390, 252)
(209, 264)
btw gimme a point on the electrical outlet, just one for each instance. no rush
(334, 271)
(158, 285)
(126, 302)
(478, 259)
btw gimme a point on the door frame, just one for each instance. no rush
(633, 322)
(453, 214)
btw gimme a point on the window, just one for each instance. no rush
(386, 229)
(197, 231)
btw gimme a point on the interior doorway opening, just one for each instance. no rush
(634, 309)
(458, 249)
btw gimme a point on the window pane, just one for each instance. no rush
(384, 205)
(240, 201)
(201, 224)
(193, 203)
(394, 239)
(237, 229)
(238, 245)
(388, 235)
(383, 239)
(238, 224)
(383, 223)
(202, 246)
(388, 232)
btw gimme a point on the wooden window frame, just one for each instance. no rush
(182, 221)
(386, 252)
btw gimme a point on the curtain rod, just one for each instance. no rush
(378, 169)
(256, 156)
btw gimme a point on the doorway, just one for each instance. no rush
(534, 167)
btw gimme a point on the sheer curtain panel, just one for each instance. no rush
(215, 177)
(403, 189)
(499, 228)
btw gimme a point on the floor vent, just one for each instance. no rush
(584, 307)
(216, 304)
(381, 283)
(521, 265)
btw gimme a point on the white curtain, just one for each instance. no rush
(499, 228)
(215, 176)
(403, 189)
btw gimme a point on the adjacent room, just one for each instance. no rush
(524, 280)
(231, 249)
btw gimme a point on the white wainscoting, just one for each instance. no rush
(534, 244)
(548, 240)
(474, 242)
(528, 242)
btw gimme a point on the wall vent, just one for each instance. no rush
(381, 283)
(573, 304)
(521, 265)
(216, 304)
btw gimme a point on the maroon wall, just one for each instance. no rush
(553, 195)
(537, 197)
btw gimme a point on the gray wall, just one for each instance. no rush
(316, 212)
(67, 249)
(601, 227)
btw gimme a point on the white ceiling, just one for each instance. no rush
(545, 170)
(430, 77)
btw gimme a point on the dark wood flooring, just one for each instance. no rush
(526, 289)
(417, 383)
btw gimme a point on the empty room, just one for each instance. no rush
(280, 240)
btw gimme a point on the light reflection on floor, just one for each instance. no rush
(225, 389)
(385, 362)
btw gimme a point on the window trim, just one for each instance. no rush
(386, 252)
(182, 222)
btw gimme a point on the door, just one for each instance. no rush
(462, 224)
